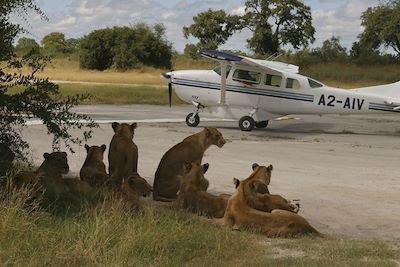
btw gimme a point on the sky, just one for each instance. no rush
(75, 18)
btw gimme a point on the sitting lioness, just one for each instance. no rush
(123, 153)
(133, 187)
(93, 170)
(278, 223)
(192, 195)
(191, 149)
(264, 200)
(50, 174)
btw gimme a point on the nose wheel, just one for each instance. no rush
(192, 119)
(246, 123)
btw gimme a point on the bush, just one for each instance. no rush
(126, 47)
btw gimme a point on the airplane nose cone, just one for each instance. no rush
(167, 75)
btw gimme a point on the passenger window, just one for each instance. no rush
(292, 83)
(247, 76)
(273, 80)
(217, 69)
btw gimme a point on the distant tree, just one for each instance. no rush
(278, 22)
(332, 50)
(192, 51)
(381, 27)
(212, 28)
(126, 47)
(27, 45)
(54, 43)
(35, 96)
(72, 45)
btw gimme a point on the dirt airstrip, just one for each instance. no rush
(343, 169)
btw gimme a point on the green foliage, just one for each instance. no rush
(381, 27)
(54, 43)
(126, 47)
(27, 45)
(212, 28)
(191, 51)
(278, 22)
(36, 98)
(332, 50)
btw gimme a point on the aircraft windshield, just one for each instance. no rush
(314, 84)
(217, 69)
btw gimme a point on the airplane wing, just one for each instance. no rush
(274, 67)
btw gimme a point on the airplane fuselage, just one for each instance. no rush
(268, 102)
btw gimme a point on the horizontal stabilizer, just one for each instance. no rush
(392, 91)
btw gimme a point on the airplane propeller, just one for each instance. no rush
(168, 77)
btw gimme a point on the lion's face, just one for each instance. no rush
(215, 137)
(193, 175)
(58, 161)
(138, 185)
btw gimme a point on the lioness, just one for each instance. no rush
(133, 187)
(264, 200)
(192, 195)
(123, 153)
(278, 223)
(50, 174)
(93, 170)
(166, 181)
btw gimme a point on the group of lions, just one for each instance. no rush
(179, 179)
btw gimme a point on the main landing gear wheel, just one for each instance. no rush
(246, 123)
(261, 124)
(191, 120)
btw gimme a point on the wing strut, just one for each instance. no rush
(223, 83)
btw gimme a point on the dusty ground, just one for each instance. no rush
(343, 169)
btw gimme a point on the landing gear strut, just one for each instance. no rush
(192, 119)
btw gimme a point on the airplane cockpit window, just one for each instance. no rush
(247, 76)
(314, 84)
(217, 69)
(292, 83)
(273, 80)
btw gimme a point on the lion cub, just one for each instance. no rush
(191, 149)
(93, 170)
(192, 193)
(279, 223)
(123, 153)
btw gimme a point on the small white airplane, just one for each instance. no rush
(256, 91)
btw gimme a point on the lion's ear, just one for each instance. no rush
(133, 126)
(46, 155)
(205, 167)
(208, 131)
(254, 166)
(115, 125)
(187, 167)
(236, 182)
(103, 147)
(270, 168)
(87, 148)
(65, 154)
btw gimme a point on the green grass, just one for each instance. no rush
(117, 94)
(107, 235)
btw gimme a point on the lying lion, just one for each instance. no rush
(191, 149)
(133, 187)
(279, 223)
(192, 195)
(50, 178)
(264, 200)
